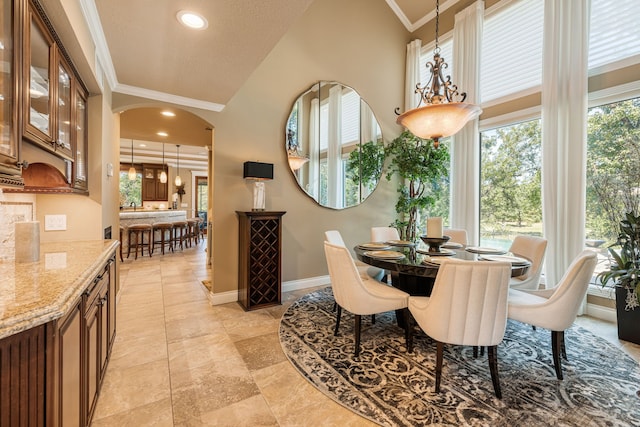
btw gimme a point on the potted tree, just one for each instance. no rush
(624, 275)
(422, 172)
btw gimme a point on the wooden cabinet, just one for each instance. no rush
(152, 188)
(10, 25)
(84, 340)
(39, 77)
(22, 378)
(259, 270)
(67, 379)
(53, 98)
(99, 319)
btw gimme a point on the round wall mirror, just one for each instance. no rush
(334, 145)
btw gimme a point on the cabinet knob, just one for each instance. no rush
(23, 164)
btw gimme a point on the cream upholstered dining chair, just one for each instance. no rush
(556, 308)
(457, 235)
(468, 306)
(365, 270)
(360, 296)
(384, 234)
(532, 248)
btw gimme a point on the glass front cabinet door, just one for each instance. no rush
(9, 146)
(64, 111)
(39, 68)
(81, 140)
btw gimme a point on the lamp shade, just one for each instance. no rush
(436, 121)
(257, 170)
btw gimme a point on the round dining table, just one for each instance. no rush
(415, 272)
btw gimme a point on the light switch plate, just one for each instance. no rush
(55, 222)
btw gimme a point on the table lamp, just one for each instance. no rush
(259, 172)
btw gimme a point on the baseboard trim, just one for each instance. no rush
(603, 313)
(291, 285)
(294, 285)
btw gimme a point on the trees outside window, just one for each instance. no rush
(613, 174)
(510, 186)
(130, 191)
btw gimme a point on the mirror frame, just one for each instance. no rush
(323, 110)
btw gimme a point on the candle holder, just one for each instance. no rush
(434, 243)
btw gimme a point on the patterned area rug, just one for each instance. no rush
(393, 388)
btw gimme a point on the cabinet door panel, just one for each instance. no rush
(64, 110)
(70, 366)
(38, 97)
(9, 152)
(92, 322)
(81, 142)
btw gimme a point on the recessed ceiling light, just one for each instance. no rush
(192, 20)
(162, 134)
(168, 113)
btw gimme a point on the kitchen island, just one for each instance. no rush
(147, 216)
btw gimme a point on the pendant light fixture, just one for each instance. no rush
(163, 174)
(442, 115)
(178, 179)
(132, 169)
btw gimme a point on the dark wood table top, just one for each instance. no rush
(416, 263)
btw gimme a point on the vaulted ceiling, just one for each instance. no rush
(152, 55)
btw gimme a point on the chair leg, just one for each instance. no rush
(338, 314)
(408, 330)
(493, 367)
(335, 304)
(357, 330)
(373, 319)
(556, 343)
(563, 348)
(475, 351)
(439, 351)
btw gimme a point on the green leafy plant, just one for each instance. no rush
(625, 268)
(423, 171)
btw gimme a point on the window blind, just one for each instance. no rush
(511, 52)
(614, 33)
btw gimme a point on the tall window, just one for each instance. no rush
(510, 192)
(613, 175)
(130, 191)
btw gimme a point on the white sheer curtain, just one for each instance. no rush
(465, 145)
(564, 132)
(412, 75)
(334, 162)
(313, 182)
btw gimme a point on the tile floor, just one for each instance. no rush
(178, 361)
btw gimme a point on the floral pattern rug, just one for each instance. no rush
(393, 388)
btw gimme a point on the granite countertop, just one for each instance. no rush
(35, 293)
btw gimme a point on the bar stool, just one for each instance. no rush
(200, 228)
(180, 231)
(121, 234)
(136, 238)
(192, 231)
(163, 240)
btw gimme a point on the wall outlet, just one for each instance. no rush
(55, 222)
(184, 205)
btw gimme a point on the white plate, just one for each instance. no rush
(399, 243)
(435, 261)
(488, 251)
(374, 245)
(452, 245)
(443, 252)
(385, 254)
(514, 260)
